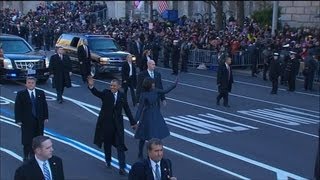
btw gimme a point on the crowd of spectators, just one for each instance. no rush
(48, 21)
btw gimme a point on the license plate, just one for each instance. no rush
(31, 71)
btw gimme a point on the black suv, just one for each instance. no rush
(18, 60)
(106, 54)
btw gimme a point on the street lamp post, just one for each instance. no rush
(274, 18)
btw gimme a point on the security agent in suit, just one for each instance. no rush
(310, 70)
(224, 81)
(274, 73)
(43, 165)
(129, 78)
(31, 111)
(150, 72)
(84, 57)
(60, 70)
(109, 128)
(155, 167)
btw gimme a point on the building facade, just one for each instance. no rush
(294, 13)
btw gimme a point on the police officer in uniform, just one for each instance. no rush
(274, 73)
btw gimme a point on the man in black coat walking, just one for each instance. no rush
(43, 165)
(155, 167)
(60, 71)
(129, 78)
(109, 128)
(84, 57)
(274, 73)
(224, 81)
(31, 111)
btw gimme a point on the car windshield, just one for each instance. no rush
(15, 46)
(102, 44)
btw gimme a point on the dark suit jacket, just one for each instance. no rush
(142, 170)
(110, 120)
(158, 83)
(125, 74)
(60, 69)
(224, 82)
(23, 114)
(30, 170)
(84, 61)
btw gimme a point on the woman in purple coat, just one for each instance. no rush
(148, 115)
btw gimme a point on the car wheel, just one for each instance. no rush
(94, 70)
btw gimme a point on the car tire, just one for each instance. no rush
(94, 70)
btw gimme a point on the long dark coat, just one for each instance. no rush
(125, 74)
(84, 61)
(151, 121)
(31, 170)
(275, 69)
(142, 170)
(60, 69)
(23, 114)
(109, 127)
(223, 79)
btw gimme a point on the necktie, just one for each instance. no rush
(151, 74)
(46, 172)
(60, 55)
(157, 172)
(115, 98)
(33, 101)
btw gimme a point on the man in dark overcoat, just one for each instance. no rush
(31, 111)
(311, 66)
(84, 57)
(224, 81)
(129, 78)
(274, 73)
(109, 128)
(60, 71)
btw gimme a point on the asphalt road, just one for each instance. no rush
(261, 136)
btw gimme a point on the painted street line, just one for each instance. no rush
(283, 116)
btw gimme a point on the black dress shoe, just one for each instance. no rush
(226, 105)
(122, 172)
(108, 165)
(218, 103)
(60, 101)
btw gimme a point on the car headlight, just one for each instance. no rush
(47, 61)
(133, 58)
(7, 64)
(104, 60)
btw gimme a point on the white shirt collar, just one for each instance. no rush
(40, 163)
(30, 91)
(153, 166)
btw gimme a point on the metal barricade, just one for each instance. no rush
(199, 56)
(242, 59)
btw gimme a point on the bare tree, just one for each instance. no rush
(219, 10)
(240, 12)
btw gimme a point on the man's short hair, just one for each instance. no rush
(116, 81)
(37, 141)
(31, 78)
(153, 141)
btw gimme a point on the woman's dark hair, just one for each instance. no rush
(147, 83)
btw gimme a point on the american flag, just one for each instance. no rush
(162, 6)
